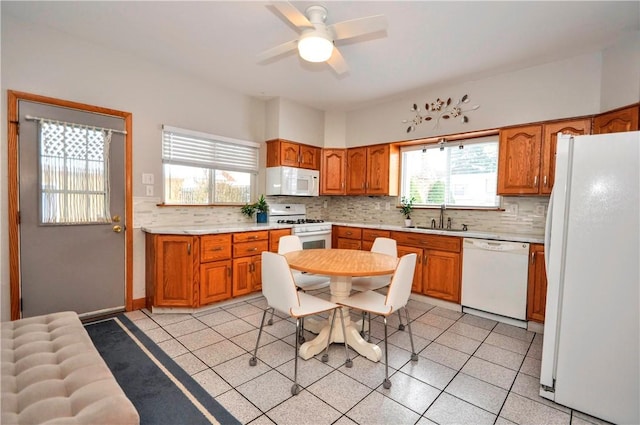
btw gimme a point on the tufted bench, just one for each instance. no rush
(52, 373)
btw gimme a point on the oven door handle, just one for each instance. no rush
(317, 233)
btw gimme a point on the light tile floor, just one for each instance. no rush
(471, 370)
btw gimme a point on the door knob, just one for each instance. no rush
(117, 228)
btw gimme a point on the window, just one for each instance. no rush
(200, 168)
(457, 173)
(74, 174)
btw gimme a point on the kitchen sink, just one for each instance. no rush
(464, 229)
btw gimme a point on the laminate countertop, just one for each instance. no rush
(206, 229)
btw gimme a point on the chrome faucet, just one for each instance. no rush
(449, 223)
(441, 222)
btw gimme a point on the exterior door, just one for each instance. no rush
(72, 213)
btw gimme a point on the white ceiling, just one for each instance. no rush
(427, 43)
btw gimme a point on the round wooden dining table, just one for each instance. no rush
(341, 265)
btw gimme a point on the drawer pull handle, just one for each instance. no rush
(253, 249)
(253, 237)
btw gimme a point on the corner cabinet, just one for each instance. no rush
(292, 154)
(537, 284)
(172, 270)
(373, 170)
(616, 121)
(526, 160)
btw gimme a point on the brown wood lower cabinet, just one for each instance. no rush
(171, 270)
(247, 275)
(537, 284)
(215, 281)
(192, 271)
(442, 275)
(417, 276)
(439, 268)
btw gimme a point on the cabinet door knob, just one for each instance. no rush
(117, 228)
(535, 181)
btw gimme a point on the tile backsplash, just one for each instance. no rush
(518, 215)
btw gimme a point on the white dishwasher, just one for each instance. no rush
(494, 279)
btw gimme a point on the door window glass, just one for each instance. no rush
(74, 174)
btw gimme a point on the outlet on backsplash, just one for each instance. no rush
(540, 209)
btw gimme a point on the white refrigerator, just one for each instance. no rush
(590, 353)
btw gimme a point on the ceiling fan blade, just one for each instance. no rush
(337, 62)
(292, 14)
(278, 50)
(357, 27)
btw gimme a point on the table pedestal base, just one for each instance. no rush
(340, 289)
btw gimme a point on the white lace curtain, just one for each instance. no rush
(74, 173)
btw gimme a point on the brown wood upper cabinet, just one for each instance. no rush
(292, 154)
(526, 162)
(333, 168)
(619, 120)
(373, 170)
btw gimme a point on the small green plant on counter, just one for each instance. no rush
(248, 210)
(260, 206)
(406, 206)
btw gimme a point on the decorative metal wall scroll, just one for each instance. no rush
(440, 109)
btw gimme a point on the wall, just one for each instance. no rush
(620, 85)
(50, 63)
(292, 121)
(555, 90)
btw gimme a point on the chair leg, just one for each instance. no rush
(295, 389)
(301, 338)
(254, 360)
(270, 322)
(348, 362)
(386, 383)
(369, 331)
(414, 356)
(400, 326)
(325, 356)
(364, 316)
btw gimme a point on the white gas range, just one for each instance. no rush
(313, 233)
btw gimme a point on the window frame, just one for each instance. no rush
(212, 163)
(448, 143)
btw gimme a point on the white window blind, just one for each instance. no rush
(187, 147)
(457, 173)
(201, 168)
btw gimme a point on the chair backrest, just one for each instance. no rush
(289, 243)
(385, 246)
(400, 287)
(278, 286)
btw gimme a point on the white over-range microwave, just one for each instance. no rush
(293, 181)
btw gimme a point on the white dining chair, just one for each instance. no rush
(281, 293)
(386, 246)
(304, 281)
(385, 305)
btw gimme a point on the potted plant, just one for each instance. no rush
(406, 207)
(262, 208)
(248, 210)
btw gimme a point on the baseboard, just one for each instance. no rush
(139, 304)
(434, 301)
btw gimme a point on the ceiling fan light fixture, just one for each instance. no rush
(315, 48)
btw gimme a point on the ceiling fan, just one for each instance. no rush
(316, 42)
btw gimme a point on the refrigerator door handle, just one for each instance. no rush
(547, 233)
